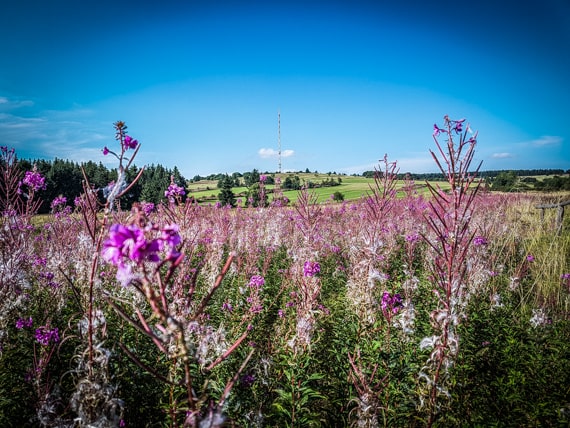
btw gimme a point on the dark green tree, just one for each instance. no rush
(251, 178)
(226, 195)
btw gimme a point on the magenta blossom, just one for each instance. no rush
(60, 200)
(311, 269)
(530, 258)
(34, 180)
(105, 151)
(147, 207)
(130, 143)
(128, 245)
(256, 281)
(21, 323)
(437, 130)
(174, 191)
(480, 240)
(458, 126)
(391, 303)
(129, 242)
(45, 335)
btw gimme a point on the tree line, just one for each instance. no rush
(65, 178)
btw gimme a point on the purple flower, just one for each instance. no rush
(60, 200)
(458, 126)
(44, 335)
(147, 207)
(170, 235)
(105, 151)
(34, 180)
(565, 276)
(391, 303)
(414, 237)
(437, 130)
(480, 240)
(281, 313)
(256, 281)
(21, 323)
(227, 307)
(174, 191)
(262, 178)
(130, 143)
(311, 269)
(129, 242)
(530, 258)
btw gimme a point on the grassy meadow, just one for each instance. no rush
(352, 187)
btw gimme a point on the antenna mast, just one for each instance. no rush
(279, 136)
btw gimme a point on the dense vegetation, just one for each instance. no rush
(450, 309)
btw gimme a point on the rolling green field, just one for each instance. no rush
(352, 187)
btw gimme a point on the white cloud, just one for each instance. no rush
(7, 104)
(547, 140)
(271, 153)
(502, 155)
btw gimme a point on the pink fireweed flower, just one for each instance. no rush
(480, 240)
(170, 235)
(458, 126)
(437, 130)
(256, 281)
(105, 151)
(147, 207)
(21, 323)
(174, 191)
(130, 143)
(530, 258)
(45, 335)
(414, 237)
(226, 306)
(129, 242)
(391, 303)
(311, 269)
(58, 201)
(34, 180)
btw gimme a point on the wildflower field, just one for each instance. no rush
(445, 309)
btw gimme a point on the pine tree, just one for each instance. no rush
(226, 195)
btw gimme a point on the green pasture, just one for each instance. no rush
(352, 187)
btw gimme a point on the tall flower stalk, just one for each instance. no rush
(448, 217)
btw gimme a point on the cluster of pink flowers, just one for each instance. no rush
(256, 281)
(480, 240)
(130, 143)
(311, 268)
(129, 244)
(45, 335)
(127, 143)
(33, 180)
(58, 201)
(27, 323)
(391, 303)
(174, 191)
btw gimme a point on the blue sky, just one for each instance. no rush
(200, 83)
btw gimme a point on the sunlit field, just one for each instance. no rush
(407, 304)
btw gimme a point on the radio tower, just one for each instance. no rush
(279, 137)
